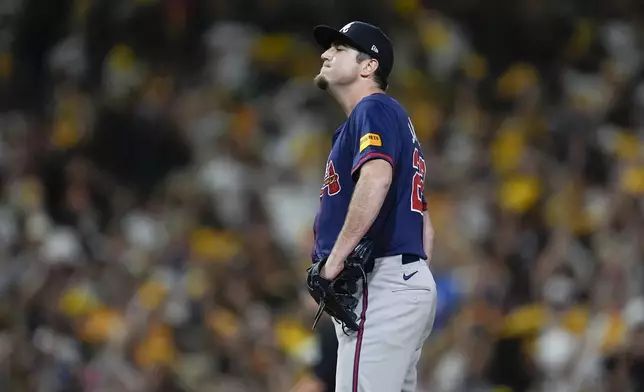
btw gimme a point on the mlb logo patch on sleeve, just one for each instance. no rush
(370, 139)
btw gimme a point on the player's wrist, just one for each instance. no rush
(332, 261)
(331, 269)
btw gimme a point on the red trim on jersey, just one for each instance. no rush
(363, 316)
(370, 156)
(315, 235)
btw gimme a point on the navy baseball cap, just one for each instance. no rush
(362, 36)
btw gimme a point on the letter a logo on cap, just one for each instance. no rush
(346, 28)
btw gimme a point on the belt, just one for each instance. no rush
(405, 259)
(408, 259)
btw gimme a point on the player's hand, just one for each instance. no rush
(330, 270)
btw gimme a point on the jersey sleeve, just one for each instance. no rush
(375, 136)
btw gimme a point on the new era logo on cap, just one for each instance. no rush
(374, 48)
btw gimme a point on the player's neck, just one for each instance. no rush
(349, 98)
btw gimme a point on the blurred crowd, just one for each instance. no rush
(160, 165)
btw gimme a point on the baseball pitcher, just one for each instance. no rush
(373, 236)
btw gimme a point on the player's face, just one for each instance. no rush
(339, 67)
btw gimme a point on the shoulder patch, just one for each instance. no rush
(370, 139)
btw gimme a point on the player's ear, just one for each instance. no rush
(369, 67)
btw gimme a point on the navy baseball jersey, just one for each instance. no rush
(377, 128)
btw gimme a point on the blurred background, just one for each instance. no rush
(160, 165)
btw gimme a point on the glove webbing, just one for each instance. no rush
(322, 304)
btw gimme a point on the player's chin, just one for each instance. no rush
(321, 82)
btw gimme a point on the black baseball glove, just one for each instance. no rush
(337, 296)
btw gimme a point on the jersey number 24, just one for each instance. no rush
(418, 181)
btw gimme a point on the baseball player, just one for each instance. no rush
(373, 188)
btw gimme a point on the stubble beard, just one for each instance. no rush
(321, 82)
